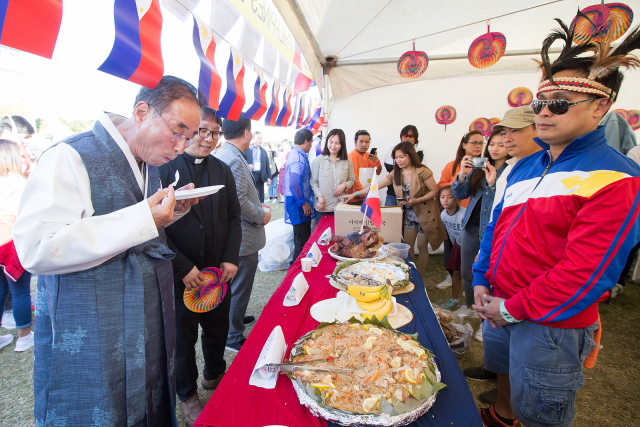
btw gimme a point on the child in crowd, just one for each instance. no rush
(452, 217)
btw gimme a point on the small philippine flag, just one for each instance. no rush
(371, 204)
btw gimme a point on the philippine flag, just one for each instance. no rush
(136, 55)
(371, 204)
(301, 110)
(259, 107)
(233, 99)
(274, 108)
(285, 113)
(313, 123)
(302, 83)
(30, 25)
(205, 42)
(295, 108)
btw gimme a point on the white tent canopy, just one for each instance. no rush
(365, 38)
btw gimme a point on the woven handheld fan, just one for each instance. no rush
(520, 96)
(623, 113)
(492, 123)
(208, 295)
(634, 119)
(482, 125)
(446, 115)
(413, 64)
(612, 19)
(487, 49)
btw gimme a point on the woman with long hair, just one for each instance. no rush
(408, 133)
(13, 277)
(416, 190)
(331, 173)
(18, 129)
(470, 145)
(479, 185)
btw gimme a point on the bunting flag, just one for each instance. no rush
(295, 109)
(310, 112)
(297, 56)
(274, 108)
(301, 109)
(285, 113)
(314, 123)
(259, 107)
(233, 99)
(205, 42)
(302, 83)
(317, 127)
(136, 55)
(371, 205)
(30, 25)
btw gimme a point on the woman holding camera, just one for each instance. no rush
(470, 146)
(477, 184)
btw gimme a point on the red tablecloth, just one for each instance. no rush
(235, 402)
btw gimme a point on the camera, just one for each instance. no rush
(479, 162)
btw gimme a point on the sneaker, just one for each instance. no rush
(478, 335)
(489, 397)
(191, 409)
(446, 283)
(248, 319)
(212, 384)
(8, 322)
(451, 304)
(236, 346)
(24, 343)
(490, 419)
(5, 340)
(464, 311)
(614, 292)
(479, 373)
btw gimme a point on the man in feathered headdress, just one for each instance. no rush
(561, 236)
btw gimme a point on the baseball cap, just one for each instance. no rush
(517, 118)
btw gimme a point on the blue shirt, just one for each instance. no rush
(297, 187)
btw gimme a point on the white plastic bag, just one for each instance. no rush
(278, 233)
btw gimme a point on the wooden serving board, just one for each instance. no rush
(404, 290)
(332, 309)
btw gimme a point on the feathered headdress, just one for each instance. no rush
(600, 66)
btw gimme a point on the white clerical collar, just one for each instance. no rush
(198, 161)
(109, 121)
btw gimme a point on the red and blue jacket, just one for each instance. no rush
(562, 232)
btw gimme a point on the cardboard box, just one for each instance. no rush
(348, 219)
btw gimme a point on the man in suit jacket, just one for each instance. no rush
(208, 236)
(254, 218)
(259, 164)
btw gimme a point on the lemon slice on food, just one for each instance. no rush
(413, 343)
(372, 339)
(376, 331)
(400, 342)
(370, 404)
(367, 345)
(410, 375)
(321, 386)
(419, 352)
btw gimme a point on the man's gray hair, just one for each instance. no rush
(168, 90)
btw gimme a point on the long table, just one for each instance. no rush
(236, 403)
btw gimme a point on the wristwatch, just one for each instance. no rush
(505, 314)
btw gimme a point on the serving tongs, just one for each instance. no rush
(302, 366)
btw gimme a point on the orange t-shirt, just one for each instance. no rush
(361, 161)
(447, 177)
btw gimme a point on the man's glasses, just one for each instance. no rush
(177, 137)
(204, 133)
(556, 106)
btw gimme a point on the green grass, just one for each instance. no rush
(607, 399)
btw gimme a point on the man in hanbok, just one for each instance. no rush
(91, 225)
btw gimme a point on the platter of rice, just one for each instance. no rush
(394, 380)
(372, 274)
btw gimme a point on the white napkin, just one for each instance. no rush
(298, 289)
(315, 254)
(325, 237)
(272, 352)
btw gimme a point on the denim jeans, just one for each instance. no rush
(273, 187)
(21, 294)
(391, 200)
(544, 366)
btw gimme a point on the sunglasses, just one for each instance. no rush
(556, 106)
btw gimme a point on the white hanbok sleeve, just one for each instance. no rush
(55, 232)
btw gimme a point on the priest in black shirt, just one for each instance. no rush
(209, 235)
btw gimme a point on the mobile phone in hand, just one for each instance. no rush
(373, 151)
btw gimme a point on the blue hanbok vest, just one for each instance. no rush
(105, 337)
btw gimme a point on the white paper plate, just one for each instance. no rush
(197, 192)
